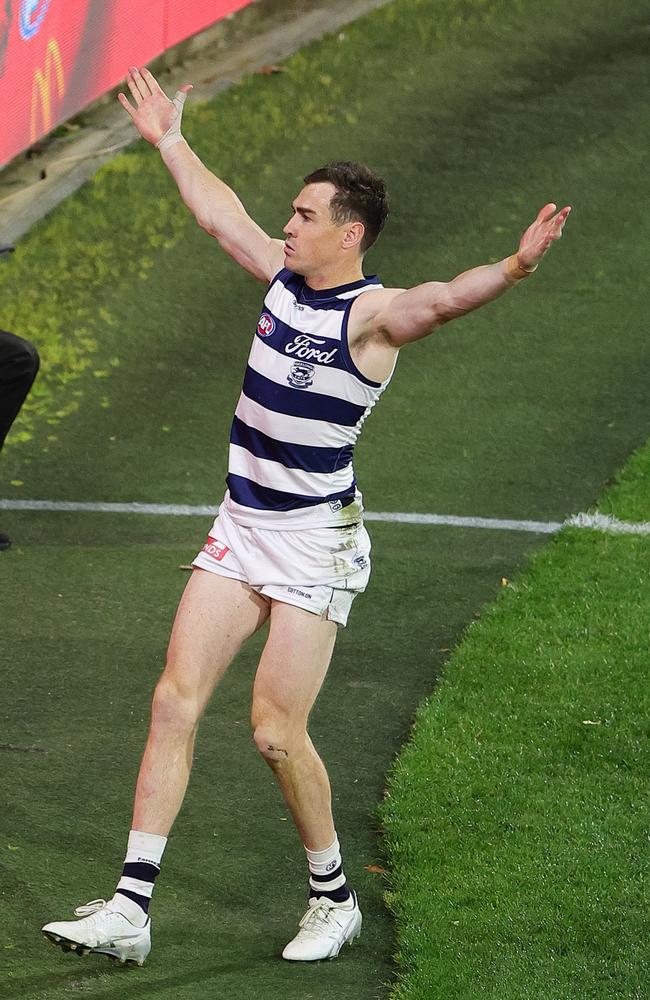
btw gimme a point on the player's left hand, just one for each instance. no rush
(537, 239)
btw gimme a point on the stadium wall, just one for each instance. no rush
(57, 56)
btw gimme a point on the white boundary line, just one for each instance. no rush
(451, 520)
(596, 522)
(611, 525)
(174, 510)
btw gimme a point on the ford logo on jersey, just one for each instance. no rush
(265, 325)
(309, 349)
(301, 375)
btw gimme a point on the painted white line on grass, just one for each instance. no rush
(596, 522)
(172, 509)
(451, 520)
(180, 510)
(603, 522)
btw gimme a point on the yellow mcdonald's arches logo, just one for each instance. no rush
(42, 90)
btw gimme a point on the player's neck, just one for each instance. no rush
(334, 277)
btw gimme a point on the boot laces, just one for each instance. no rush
(319, 917)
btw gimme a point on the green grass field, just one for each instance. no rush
(515, 819)
(476, 114)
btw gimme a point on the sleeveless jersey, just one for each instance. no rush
(300, 412)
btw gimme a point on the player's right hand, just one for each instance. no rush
(541, 233)
(154, 113)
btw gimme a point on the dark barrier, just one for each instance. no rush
(56, 56)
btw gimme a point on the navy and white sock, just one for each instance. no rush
(326, 876)
(141, 866)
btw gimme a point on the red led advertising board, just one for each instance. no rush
(56, 56)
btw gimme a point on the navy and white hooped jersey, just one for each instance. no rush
(300, 411)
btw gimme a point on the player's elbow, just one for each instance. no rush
(207, 222)
(222, 224)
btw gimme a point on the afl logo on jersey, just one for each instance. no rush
(265, 325)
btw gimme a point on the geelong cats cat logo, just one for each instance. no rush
(301, 375)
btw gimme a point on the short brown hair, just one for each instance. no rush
(360, 196)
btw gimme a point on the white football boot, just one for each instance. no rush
(102, 930)
(324, 929)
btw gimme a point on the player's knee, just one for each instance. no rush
(174, 703)
(275, 742)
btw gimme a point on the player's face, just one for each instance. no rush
(313, 241)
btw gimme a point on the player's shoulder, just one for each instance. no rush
(374, 299)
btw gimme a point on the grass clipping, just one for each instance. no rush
(515, 817)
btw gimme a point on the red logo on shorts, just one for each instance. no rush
(265, 325)
(217, 550)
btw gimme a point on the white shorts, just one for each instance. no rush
(318, 569)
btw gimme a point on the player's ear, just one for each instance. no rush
(353, 235)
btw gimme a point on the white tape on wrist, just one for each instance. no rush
(173, 133)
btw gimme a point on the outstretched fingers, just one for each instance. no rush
(546, 213)
(550, 222)
(126, 104)
(143, 84)
(137, 85)
(561, 218)
(150, 82)
(541, 233)
(133, 87)
(146, 83)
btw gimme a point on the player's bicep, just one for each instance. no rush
(412, 314)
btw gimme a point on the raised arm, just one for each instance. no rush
(216, 208)
(413, 314)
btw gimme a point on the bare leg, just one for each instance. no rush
(290, 675)
(214, 618)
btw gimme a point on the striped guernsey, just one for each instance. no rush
(300, 411)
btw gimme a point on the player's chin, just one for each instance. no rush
(291, 263)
